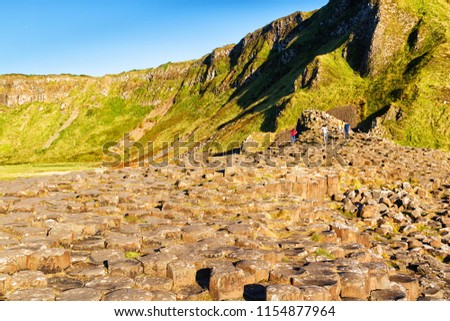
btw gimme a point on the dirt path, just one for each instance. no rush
(63, 127)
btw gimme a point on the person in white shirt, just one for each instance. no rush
(325, 133)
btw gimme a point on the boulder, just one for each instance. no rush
(227, 283)
(411, 285)
(354, 285)
(155, 264)
(182, 273)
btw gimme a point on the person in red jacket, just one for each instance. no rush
(293, 135)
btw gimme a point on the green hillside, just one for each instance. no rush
(368, 54)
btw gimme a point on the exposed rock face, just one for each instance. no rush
(17, 90)
(312, 121)
(390, 35)
(378, 29)
(348, 114)
(378, 126)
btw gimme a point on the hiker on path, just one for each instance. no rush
(325, 133)
(347, 131)
(293, 135)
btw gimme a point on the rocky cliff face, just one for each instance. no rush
(370, 54)
(19, 90)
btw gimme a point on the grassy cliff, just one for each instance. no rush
(370, 54)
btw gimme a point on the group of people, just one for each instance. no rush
(324, 133)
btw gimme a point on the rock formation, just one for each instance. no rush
(276, 225)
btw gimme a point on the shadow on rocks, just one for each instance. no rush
(255, 292)
(203, 277)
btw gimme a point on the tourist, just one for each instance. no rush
(347, 131)
(293, 135)
(325, 133)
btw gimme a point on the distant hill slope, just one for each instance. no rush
(371, 54)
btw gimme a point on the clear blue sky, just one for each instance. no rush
(97, 37)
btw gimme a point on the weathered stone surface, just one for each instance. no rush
(80, 294)
(112, 256)
(378, 281)
(387, 295)
(283, 292)
(193, 293)
(156, 263)
(354, 285)
(14, 260)
(182, 273)
(8, 243)
(110, 283)
(129, 295)
(346, 233)
(125, 243)
(5, 283)
(329, 283)
(28, 279)
(227, 283)
(64, 283)
(39, 294)
(49, 260)
(161, 295)
(154, 283)
(129, 268)
(194, 233)
(3, 207)
(87, 271)
(369, 211)
(260, 269)
(92, 243)
(284, 275)
(410, 284)
(314, 293)
(167, 232)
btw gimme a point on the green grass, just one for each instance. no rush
(348, 215)
(316, 238)
(325, 253)
(9, 172)
(132, 219)
(338, 85)
(132, 255)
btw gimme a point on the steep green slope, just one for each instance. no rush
(406, 65)
(105, 109)
(371, 54)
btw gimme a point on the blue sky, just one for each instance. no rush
(97, 37)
